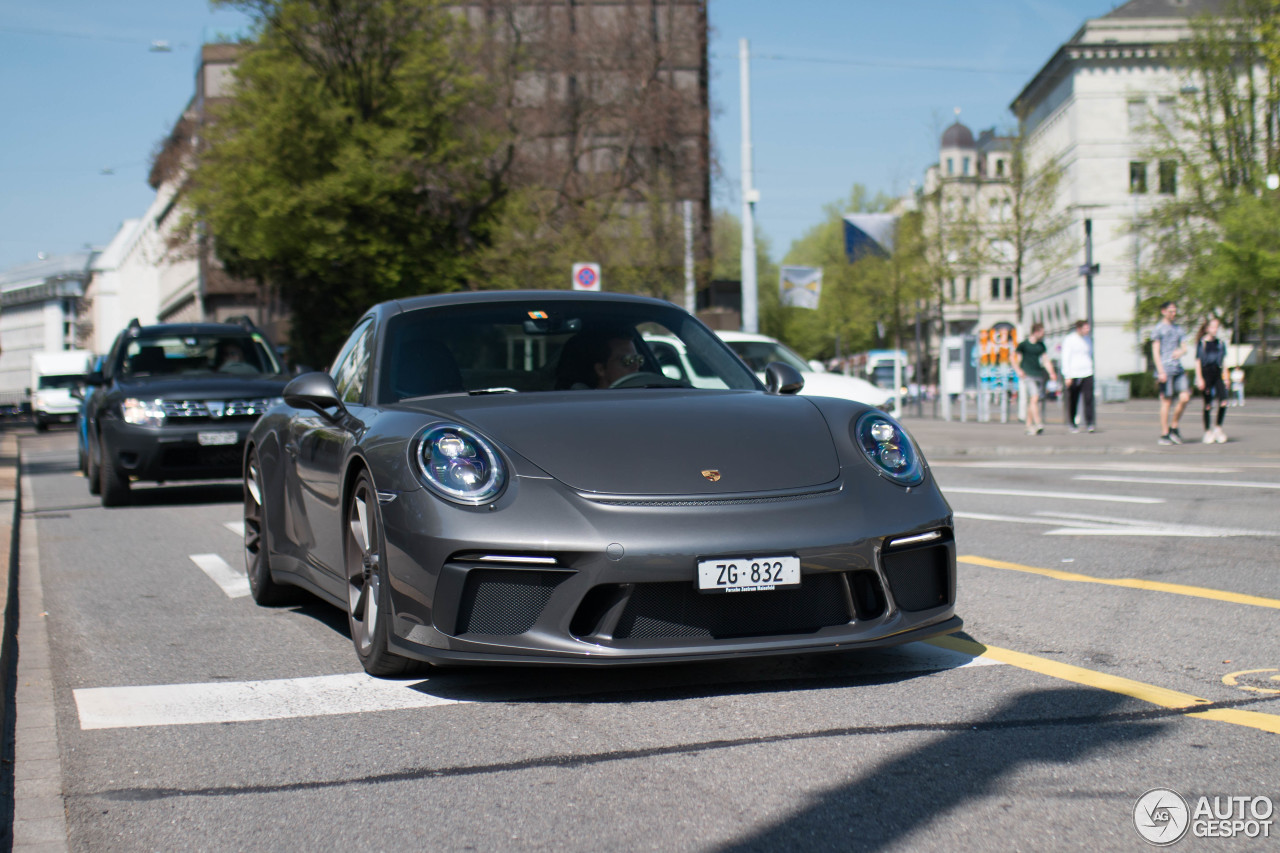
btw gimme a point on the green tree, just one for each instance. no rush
(358, 160)
(1032, 239)
(872, 292)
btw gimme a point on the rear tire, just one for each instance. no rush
(113, 482)
(257, 542)
(368, 590)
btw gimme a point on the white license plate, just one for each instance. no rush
(210, 439)
(748, 574)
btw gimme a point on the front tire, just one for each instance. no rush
(113, 482)
(94, 472)
(368, 591)
(257, 544)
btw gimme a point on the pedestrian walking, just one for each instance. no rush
(1034, 371)
(1211, 356)
(1171, 378)
(1237, 382)
(1077, 372)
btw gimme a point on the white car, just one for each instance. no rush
(758, 350)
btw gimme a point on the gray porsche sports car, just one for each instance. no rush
(511, 477)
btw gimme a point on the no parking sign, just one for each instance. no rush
(586, 277)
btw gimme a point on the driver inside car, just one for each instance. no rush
(597, 359)
(622, 360)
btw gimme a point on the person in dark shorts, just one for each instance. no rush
(1171, 378)
(1034, 370)
(1212, 380)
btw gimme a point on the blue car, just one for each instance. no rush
(82, 423)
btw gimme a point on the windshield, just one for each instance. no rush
(758, 354)
(73, 380)
(182, 355)
(553, 345)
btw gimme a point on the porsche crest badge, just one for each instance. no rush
(711, 474)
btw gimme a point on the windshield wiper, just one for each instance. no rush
(498, 390)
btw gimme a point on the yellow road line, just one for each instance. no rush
(1131, 583)
(1161, 696)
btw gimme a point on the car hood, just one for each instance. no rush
(199, 387)
(660, 442)
(845, 387)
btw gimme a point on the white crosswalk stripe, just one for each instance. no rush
(353, 693)
(1076, 524)
(233, 581)
(1239, 484)
(1069, 496)
(244, 701)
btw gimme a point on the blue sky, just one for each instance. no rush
(843, 92)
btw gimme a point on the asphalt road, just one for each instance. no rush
(1120, 636)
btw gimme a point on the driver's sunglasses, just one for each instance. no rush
(631, 360)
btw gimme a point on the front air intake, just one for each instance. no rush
(921, 577)
(504, 602)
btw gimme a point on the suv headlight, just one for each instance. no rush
(459, 465)
(887, 447)
(142, 412)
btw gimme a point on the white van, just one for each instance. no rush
(54, 376)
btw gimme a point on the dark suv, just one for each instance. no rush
(174, 402)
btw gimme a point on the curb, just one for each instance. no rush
(10, 477)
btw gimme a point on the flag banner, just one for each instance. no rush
(800, 287)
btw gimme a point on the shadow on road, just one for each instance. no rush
(972, 761)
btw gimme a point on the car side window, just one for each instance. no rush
(668, 360)
(351, 368)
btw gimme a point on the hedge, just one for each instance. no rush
(1260, 380)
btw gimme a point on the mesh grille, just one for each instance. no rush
(678, 610)
(206, 408)
(919, 578)
(504, 602)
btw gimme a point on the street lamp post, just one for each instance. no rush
(1089, 270)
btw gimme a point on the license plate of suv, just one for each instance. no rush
(748, 574)
(213, 439)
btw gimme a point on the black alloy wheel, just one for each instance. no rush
(257, 548)
(368, 595)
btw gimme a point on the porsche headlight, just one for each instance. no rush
(142, 412)
(459, 465)
(887, 446)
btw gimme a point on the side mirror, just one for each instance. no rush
(95, 378)
(315, 391)
(782, 378)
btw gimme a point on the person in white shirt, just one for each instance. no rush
(1077, 370)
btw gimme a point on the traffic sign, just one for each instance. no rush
(586, 277)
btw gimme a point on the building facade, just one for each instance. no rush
(1092, 108)
(582, 128)
(965, 197)
(39, 312)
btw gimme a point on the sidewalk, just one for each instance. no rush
(1131, 427)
